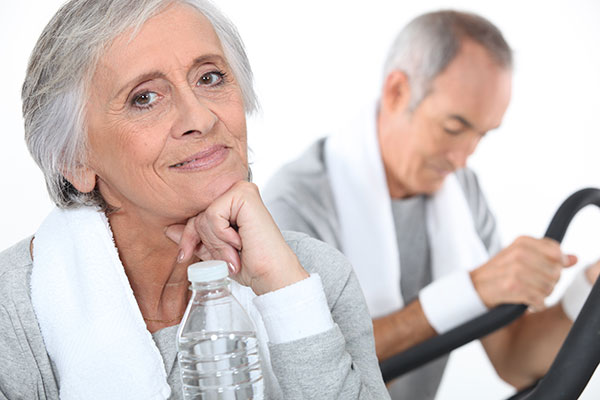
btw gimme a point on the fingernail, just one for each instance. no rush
(180, 256)
(231, 268)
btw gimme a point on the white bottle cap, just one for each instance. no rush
(207, 271)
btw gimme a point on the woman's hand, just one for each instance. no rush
(238, 229)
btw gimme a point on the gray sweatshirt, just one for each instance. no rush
(337, 364)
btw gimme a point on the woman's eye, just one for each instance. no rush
(145, 100)
(212, 78)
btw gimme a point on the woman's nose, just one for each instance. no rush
(194, 117)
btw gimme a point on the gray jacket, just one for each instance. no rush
(337, 364)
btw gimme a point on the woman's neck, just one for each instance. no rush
(149, 258)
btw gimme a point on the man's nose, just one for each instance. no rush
(458, 156)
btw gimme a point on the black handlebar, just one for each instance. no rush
(581, 348)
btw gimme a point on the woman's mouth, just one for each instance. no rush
(205, 159)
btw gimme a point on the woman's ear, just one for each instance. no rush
(396, 92)
(82, 178)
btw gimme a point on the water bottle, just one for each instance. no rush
(216, 341)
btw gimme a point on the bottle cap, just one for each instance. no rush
(207, 271)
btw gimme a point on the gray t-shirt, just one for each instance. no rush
(300, 198)
(415, 264)
(339, 363)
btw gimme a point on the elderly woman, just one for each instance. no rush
(135, 112)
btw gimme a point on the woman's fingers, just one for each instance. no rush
(208, 241)
(215, 225)
(186, 237)
(188, 242)
(204, 253)
(219, 239)
(236, 227)
(174, 232)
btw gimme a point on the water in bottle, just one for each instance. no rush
(216, 342)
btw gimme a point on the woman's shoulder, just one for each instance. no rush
(18, 256)
(29, 373)
(317, 254)
(15, 266)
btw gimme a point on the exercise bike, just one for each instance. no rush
(576, 360)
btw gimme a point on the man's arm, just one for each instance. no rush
(524, 272)
(401, 330)
(523, 351)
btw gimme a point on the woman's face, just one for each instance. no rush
(165, 119)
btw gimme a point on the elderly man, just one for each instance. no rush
(393, 193)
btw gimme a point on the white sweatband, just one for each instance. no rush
(576, 295)
(296, 311)
(450, 301)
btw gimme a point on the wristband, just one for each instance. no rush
(576, 295)
(450, 301)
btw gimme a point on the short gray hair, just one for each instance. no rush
(425, 47)
(60, 71)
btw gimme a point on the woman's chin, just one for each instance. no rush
(202, 197)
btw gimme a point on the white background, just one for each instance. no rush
(317, 62)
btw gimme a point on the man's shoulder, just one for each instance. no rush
(300, 198)
(305, 177)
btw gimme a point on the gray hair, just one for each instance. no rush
(425, 47)
(60, 71)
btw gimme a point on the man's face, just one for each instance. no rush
(421, 147)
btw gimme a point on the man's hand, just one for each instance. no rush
(523, 273)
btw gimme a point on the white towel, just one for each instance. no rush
(368, 234)
(90, 321)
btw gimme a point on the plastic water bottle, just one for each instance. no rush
(216, 341)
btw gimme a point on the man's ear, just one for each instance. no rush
(82, 178)
(396, 92)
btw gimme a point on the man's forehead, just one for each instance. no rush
(478, 102)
